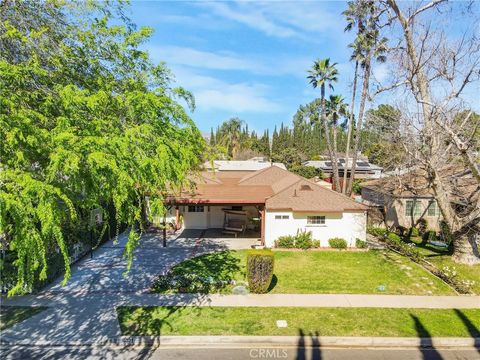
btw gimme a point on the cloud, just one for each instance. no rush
(278, 19)
(214, 94)
(204, 59)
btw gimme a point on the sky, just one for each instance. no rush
(248, 59)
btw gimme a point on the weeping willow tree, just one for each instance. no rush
(86, 119)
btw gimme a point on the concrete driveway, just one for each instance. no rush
(83, 310)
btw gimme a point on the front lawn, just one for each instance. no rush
(304, 272)
(441, 258)
(226, 321)
(10, 315)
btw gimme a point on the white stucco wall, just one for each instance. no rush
(348, 226)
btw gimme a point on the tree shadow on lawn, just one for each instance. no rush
(203, 274)
(471, 328)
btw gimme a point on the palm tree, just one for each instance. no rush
(230, 134)
(354, 15)
(373, 49)
(366, 47)
(324, 74)
(335, 109)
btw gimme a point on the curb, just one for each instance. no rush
(263, 341)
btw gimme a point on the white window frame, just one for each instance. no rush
(432, 207)
(282, 217)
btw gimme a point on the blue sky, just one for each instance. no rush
(247, 59)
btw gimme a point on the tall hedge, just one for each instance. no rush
(259, 270)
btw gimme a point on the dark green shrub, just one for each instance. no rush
(287, 242)
(445, 232)
(360, 244)
(394, 238)
(303, 240)
(377, 231)
(259, 270)
(400, 230)
(316, 244)
(422, 226)
(338, 243)
(429, 236)
(413, 231)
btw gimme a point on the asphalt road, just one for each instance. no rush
(80, 352)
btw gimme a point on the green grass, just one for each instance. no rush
(10, 315)
(327, 272)
(324, 321)
(441, 257)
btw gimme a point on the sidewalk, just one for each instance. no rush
(306, 300)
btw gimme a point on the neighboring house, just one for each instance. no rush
(254, 164)
(402, 201)
(271, 201)
(363, 170)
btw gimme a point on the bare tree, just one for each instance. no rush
(432, 72)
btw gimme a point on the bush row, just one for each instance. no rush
(303, 240)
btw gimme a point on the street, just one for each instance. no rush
(165, 353)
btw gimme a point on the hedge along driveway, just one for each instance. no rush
(334, 272)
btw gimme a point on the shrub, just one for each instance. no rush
(316, 244)
(394, 237)
(429, 236)
(400, 230)
(259, 270)
(377, 231)
(287, 241)
(338, 243)
(360, 244)
(413, 231)
(445, 232)
(422, 226)
(303, 240)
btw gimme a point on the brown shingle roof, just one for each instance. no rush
(306, 196)
(273, 186)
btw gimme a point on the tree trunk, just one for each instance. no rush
(465, 248)
(333, 155)
(366, 79)
(350, 129)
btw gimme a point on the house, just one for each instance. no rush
(272, 202)
(401, 201)
(253, 164)
(405, 199)
(363, 170)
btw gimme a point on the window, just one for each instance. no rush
(282, 217)
(237, 208)
(413, 207)
(316, 220)
(195, 208)
(432, 208)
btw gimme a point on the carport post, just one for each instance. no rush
(164, 231)
(262, 224)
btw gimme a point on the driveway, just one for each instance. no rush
(83, 310)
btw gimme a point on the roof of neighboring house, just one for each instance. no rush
(326, 165)
(273, 186)
(415, 183)
(241, 165)
(409, 185)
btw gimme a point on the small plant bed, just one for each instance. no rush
(311, 272)
(10, 315)
(225, 321)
